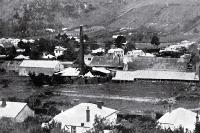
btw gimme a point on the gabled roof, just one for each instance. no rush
(178, 117)
(39, 63)
(70, 72)
(60, 48)
(22, 57)
(77, 115)
(89, 74)
(101, 69)
(12, 109)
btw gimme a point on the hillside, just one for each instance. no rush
(166, 16)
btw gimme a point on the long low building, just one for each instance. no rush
(154, 75)
(46, 67)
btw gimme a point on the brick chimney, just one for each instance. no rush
(3, 104)
(100, 104)
(87, 114)
(197, 117)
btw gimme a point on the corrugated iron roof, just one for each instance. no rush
(77, 115)
(157, 75)
(39, 63)
(12, 109)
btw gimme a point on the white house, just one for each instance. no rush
(80, 118)
(46, 67)
(116, 52)
(135, 53)
(47, 56)
(88, 59)
(58, 51)
(99, 50)
(15, 111)
(22, 57)
(178, 117)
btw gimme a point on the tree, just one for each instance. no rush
(130, 47)
(35, 53)
(119, 41)
(108, 45)
(68, 54)
(155, 40)
(11, 52)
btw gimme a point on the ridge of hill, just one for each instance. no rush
(166, 16)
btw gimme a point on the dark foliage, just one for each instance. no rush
(155, 40)
(119, 41)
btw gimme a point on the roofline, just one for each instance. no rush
(21, 110)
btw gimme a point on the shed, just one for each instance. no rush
(46, 67)
(15, 111)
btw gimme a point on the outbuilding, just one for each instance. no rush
(16, 111)
(46, 67)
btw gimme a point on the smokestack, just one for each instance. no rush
(197, 117)
(87, 114)
(3, 104)
(82, 64)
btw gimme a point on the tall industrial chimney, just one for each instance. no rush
(87, 114)
(81, 61)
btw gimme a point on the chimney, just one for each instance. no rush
(82, 64)
(87, 114)
(197, 117)
(3, 104)
(100, 104)
(170, 108)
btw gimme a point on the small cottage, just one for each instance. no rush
(80, 118)
(15, 111)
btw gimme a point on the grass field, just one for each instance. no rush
(129, 97)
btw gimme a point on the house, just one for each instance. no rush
(88, 59)
(47, 56)
(21, 57)
(46, 67)
(135, 53)
(178, 117)
(80, 118)
(15, 111)
(99, 50)
(58, 51)
(116, 52)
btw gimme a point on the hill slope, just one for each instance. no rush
(163, 15)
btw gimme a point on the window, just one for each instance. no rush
(73, 129)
